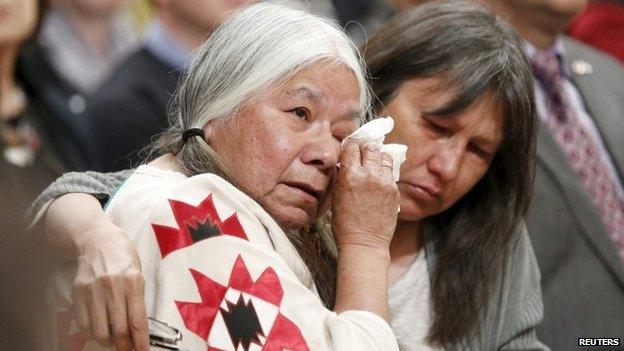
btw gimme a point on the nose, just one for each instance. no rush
(322, 149)
(446, 160)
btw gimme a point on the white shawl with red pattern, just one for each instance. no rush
(221, 270)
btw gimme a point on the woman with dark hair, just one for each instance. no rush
(456, 81)
(463, 275)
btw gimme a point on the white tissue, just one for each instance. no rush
(375, 132)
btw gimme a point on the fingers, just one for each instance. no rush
(119, 320)
(371, 157)
(386, 165)
(350, 155)
(109, 316)
(81, 312)
(98, 316)
(137, 316)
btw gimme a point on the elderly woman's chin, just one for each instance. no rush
(292, 212)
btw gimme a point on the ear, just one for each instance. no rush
(209, 131)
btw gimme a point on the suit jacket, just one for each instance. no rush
(63, 128)
(130, 109)
(582, 275)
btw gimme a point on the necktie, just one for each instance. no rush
(580, 148)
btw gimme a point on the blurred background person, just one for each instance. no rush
(576, 222)
(601, 25)
(86, 39)
(80, 43)
(27, 165)
(577, 217)
(130, 108)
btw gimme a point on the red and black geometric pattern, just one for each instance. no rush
(231, 310)
(195, 223)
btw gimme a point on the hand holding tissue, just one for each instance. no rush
(375, 132)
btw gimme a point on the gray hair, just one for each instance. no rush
(257, 46)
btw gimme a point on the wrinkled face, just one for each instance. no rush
(447, 155)
(283, 146)
(18, 19)
(204, 14)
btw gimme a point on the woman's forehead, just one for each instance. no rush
(325, 87)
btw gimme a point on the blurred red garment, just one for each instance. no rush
(601, 25)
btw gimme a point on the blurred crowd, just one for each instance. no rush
(85, 85)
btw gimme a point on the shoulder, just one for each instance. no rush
(200, 207)
(603, 65)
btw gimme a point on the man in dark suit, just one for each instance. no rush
(131, 107)
(577, 218)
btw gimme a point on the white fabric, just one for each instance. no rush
(146, 203)
(410, 307)
(374, 132)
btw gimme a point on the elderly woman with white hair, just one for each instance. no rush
(226, 216)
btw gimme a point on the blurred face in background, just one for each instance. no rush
(204, 15)
(93, 8)
(18, 19)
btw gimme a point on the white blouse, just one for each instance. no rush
(410, 307)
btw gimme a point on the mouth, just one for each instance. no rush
(315, 192)
(424, 191)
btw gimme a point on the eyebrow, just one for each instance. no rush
(352, 115)
(319, 98)
(308, 93)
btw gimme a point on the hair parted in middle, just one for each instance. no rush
(474, 53)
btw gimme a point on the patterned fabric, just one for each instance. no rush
(515, 312)
(581, 151)
(218, 268)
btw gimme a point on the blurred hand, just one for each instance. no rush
(108, 291)
(365, 198)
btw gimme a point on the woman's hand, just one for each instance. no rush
(108, 291)
(365, 198)
(365, 202)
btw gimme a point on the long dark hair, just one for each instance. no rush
(470, 49)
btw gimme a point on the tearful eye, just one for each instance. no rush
(300, 112)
